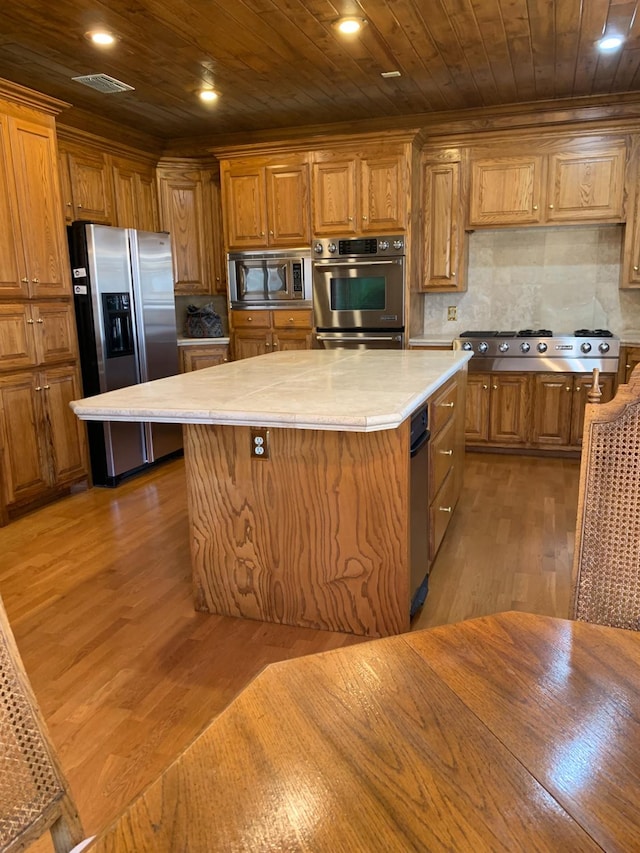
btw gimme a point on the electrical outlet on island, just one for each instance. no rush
(452, 312)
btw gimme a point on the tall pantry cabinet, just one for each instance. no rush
(42, 445)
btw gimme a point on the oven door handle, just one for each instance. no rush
(347, 339)
(329, 262)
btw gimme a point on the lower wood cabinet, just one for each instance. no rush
(199, 356)
(529, 410)
(42, 443)
(260, 332)
(629, 359)
(446, 457)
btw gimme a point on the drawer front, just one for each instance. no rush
(251, 319)
(440, 513)
(292, 319)
(442, 457)
(442, 406)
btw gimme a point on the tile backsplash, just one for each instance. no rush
(561, 278)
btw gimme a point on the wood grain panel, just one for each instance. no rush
(314, 536)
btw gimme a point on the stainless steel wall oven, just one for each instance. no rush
(359, 292)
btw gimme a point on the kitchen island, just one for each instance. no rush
(298, 478)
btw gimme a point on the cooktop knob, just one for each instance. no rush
(483, 347)
(331, 247)
(383, 245)
(467, 345)
(398, 244)
(542, 347)
(318, 248)
(585, 347)
(603, 347)
(504, 346)
(525, 347)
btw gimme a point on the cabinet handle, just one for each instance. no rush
(30, 322)
(364, 218)
(275, 344)
(39, 320)
(453, 274)
(69, 204)
(291, 319)
(249, 319)
(46, 387)
(24, 280)
(447, 405)
(535, 206)
(271, 233)
(627, 366)
(35, 280)
(79, 207)
(550, 207)
(267, 344)
(262, 233)
(485, 387)
(447, 452)
(445, 509)
(635, 269)
(569, 388)
(495, 387)
(38, 388)
(349, 218)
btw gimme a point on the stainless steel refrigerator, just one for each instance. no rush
(125, 314)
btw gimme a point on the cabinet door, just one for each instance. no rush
(25, 471)
(90, 187)
(17, 337)
(146, 198)
(334, 197)
(213, 199)
(181, 200)
(13, 276)
(553, 399)
(55, 331)
(288, 205)
(290, 340)
(585, 187)
(582, 386)
(506, 191)
(477, 408)
(136, 203)
(38, 194)
(508, 416)
(247, 343)
(65, 432)
(124, 196)
(442, 227)
(291, 330)
(245, 206)
(200, 356)
(629, 359)
(384, 194)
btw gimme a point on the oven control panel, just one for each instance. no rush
(360, 247)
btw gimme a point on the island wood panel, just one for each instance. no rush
(315, 536)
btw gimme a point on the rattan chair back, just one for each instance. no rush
(34, 796)
(606, 567)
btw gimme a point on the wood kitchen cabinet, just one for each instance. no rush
(497, 409)
(558, 410)
(266, 202)
(569, 184)
(135, 194)
(36, 333)
(629, 359)
(199, 356)
(260, 332)
(446, 457)
(444, 251)
(41, 440)
(85, 176)
(184, 213)
(360, 192)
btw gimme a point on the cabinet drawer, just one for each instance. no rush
(291, 319)
(251, 319)
(442, 457)
(442, 406)
(440, 513)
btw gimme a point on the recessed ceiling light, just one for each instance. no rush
(101, 37)
(348, 26)
(208, 95)
(610, 43)
(387, 74)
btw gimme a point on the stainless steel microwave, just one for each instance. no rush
(268, 277)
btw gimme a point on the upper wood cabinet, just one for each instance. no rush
(266, 202)
(443, 235)
(557, 186)
(135, 194)
(85, 177)
(360, 192)
(182, 214)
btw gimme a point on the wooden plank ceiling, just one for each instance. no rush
(281, 63)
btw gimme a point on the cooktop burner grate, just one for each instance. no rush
(535, 333)
(593, 333)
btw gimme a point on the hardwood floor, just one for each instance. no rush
(97, 587)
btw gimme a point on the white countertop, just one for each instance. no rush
(359, 391)
(431, 340)
(184, 342)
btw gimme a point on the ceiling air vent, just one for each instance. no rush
(103, 83)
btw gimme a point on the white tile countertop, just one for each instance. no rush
(359, 391)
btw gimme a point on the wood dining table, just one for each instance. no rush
(510, 732)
